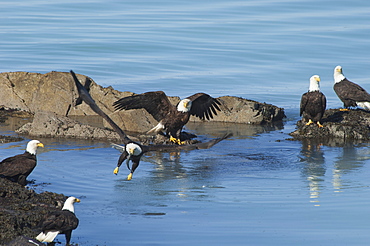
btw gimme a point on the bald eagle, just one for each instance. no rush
(171, 118)
(351, 94)
(313, 102)
(59, 222)
(133, 151)
(17, 168)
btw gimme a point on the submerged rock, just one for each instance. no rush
(21, 210)
(344, 125)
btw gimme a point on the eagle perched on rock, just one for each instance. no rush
(351, 94)
(59, 222)
(313, 102)
(171, 119)
(18, 167)
(133, 151)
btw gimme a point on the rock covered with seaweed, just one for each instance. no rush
(344, 125)
(21, 209)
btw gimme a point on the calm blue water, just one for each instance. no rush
(254, 189)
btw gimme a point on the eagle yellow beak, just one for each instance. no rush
(77, 200)
(40, 145)
(129, 177)
(318, 79)
(115, 171)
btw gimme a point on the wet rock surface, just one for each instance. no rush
(343, 125)
(5, 114)
(55, 93)
(21, 209)
(24, 241)
(48, 124)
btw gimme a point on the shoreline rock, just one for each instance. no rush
(341, 125)
(21, 210)
(48, 124)
(55, 93)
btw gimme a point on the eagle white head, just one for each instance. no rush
(32, 146)
(68, 204)
(314, 83)
(184, 105)
(338, 74)
(133, 149)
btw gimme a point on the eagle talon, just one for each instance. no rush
(116, 170)
(179, 142)
(129, 177)
(176, 141)
(344, 109)
(319, 125)
(309, 122)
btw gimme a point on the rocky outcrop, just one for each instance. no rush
(343, 125)
(240, 110)
(54, 93)
(47, 124)
(22, 209)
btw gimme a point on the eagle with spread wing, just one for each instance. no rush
(133, 151)
(171, 119)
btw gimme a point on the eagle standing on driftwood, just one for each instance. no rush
(351, 94)
(171, 118)
(133, 151)
(17, 168)
(313, 102)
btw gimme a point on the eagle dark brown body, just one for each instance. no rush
(313, 105)
(18, 167)
(133, 151)
(171, 118)
(59, 222)
(350, 93)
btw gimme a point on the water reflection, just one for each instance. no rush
(167, 165)
(314, 170)
(318, 171)
(351, 158)
(11, 123)
(219, 128)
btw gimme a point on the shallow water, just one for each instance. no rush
(257, 188)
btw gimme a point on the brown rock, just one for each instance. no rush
(32, 92)
(240, 110)
(47, 124)
(55, 92)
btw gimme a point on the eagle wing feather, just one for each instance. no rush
(304, 100)
(155, 103)
(347, 90)
(60, 220)
(323, 102)
(16, 165)
(204, 106)
(86, 97)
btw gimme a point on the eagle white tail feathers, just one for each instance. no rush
(47, 237)
(364, 105)
(158, 128)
